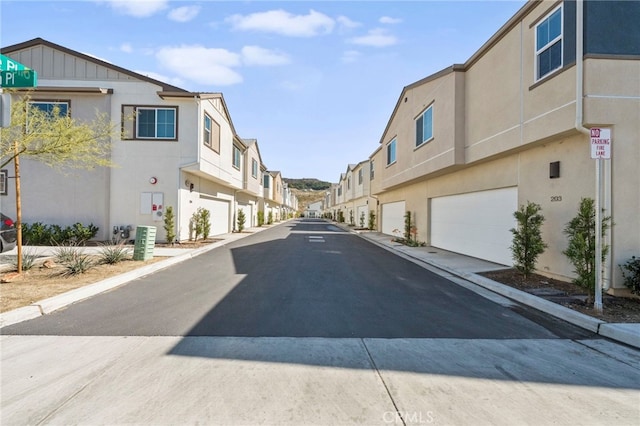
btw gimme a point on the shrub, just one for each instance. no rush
(39, 234)
(631, 274)
(205, 222)
(241, 220)
(66, 254)
(372, 220)
(351, 222)
(78, 265)
(112, 254)
(35, 234)
(362, 220)
(260, 218)
(581, 231)
(80, 234)
(527, 242)
(169, 225)
(340, 216)
(28, 260)
(270, 218)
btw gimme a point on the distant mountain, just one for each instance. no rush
(308, 184)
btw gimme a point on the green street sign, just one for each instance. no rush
(13, 74)
(25, 78)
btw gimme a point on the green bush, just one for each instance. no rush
(270, 218)
(362, 220)
(39, 234)
(205, 222)
(241, 220)
(372, 220)
(527, 242)
(631, 274)
(581, 231)
(169, 225)
(260, 218)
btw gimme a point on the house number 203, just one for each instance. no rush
(556, 198)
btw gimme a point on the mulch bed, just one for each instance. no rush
(615, 309)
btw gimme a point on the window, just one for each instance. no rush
(391, 152)
(349, 183)
(206, 132)
(254, 168)
(49, 107)
(236, 157)
(340, 191)
(371, 170)
(424, 127)
(549, 44)
(360, 177)
(3, 182)
(149, 123)
(266, 181)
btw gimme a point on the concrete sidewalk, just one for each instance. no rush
(440, 261)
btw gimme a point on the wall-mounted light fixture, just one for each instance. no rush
(153, 180)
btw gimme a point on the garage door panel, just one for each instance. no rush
(393, 217)
(219, 212)
(476, 224)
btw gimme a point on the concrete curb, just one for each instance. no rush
(52, 304)
(624, 333)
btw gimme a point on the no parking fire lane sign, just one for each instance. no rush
(600, 143)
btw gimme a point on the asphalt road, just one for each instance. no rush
(304, 324)
(303, 279)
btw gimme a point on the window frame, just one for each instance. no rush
(360, 176)
(254, 168)
(558, 39)
(207, 134)
(421, 119)
(372, 170)
(133, 127)
(392, 142)
(4, 182)
(239, 157)
(67, 103)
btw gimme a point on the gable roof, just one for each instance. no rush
(42, 42)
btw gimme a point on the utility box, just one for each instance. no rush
(145, 242)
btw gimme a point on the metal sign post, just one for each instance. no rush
(600, 149)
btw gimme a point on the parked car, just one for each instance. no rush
(8, 233)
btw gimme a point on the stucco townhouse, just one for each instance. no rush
(178, 149)
(466, 146)
(272, 198)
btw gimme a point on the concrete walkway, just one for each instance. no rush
(463, 270)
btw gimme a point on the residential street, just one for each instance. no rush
(305, 323)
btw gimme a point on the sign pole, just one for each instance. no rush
(597, 304)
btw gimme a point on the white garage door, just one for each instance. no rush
(248, 214)
(476, 224)
(393, 218)
(219, 210)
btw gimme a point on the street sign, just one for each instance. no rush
(23, 78)
(13, 74)
(600, 143)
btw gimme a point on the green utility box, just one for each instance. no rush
(145, 242)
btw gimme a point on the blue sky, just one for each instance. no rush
(314, 81)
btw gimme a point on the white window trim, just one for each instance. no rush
(207, 141)
(4, 189)
(254, 168)
(548, 45)
(233, 157)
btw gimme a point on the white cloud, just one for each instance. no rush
(184, 13)
(254, 55)
(202, 65)
(138, 8)
(284, 23)
(126, 47)
(390, 20)
(350, 56)
(378, 37)
(161, 77)
(347, 23)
